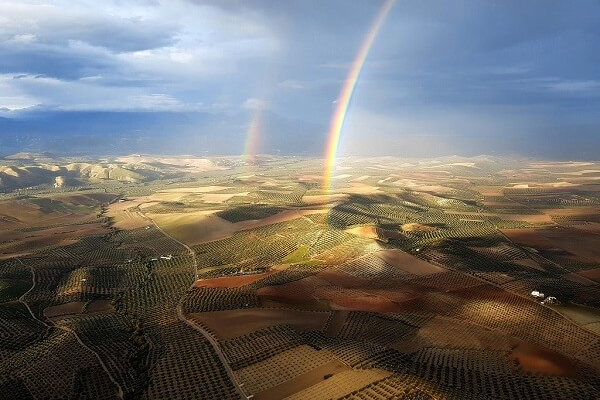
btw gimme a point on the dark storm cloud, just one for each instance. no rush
(58, 62)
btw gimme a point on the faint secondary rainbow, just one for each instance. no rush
(343, 101)
(253, 136)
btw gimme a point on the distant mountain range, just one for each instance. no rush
(95, 133)
(102, 133)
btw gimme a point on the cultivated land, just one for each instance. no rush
(145, 277)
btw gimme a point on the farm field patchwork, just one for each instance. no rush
(215, 278)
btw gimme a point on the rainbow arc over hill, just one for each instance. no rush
(341, 107)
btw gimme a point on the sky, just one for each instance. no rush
(461, 76)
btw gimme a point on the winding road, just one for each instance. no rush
(207, 335)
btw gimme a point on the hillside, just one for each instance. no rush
(27, 170)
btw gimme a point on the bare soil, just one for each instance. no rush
(540, 360)
(407, 262)
(233, 323)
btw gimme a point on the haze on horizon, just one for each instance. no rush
(189, 76)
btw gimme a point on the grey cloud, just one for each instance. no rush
(118, 35)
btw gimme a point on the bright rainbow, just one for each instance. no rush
(343, 101)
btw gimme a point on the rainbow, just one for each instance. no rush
(343, 101)
(253, 137)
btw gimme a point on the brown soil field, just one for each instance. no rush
(527, 237)
(87, 199)
(74, 307)
(540, 360)
(527, 262)
(578, 278)
(233, 323)
(365, 303)
(17, 214)
(310, 304)
(341, 291)
(340, 278)
(231, 281)
(301, 382)
(61, 236)
(592, 227)
(408, 262)
(69, 231)
(403, 293)
(573, 211)
(6, 236)
(576, 241)
(300, 290)
(593, 274)
(336, 322)
(23, 213)
(446, 302)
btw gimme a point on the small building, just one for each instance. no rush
(537, 294)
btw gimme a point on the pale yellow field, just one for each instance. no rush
(221, 198)
(196, 227)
